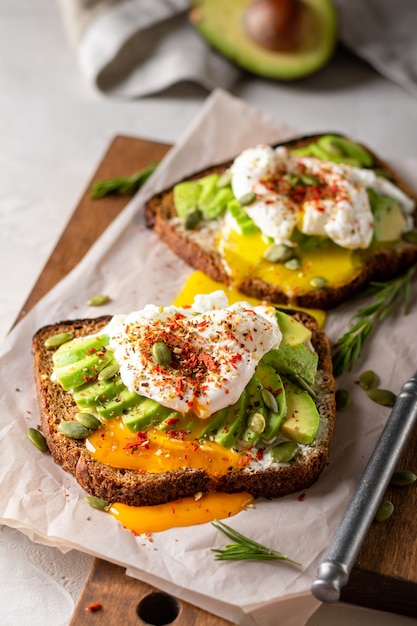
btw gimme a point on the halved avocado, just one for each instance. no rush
(225, 26)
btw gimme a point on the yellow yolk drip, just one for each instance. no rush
(115, 445)
(157, 452)
(185, 512)
(197, 282)
(243, 254)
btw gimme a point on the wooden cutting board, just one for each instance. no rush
(385, 575)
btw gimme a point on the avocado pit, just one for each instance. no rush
(274, 24)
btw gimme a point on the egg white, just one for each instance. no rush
(346, 218)
(235, 337)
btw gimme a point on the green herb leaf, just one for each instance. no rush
(245, 548)
(123, 186)
(347, 349)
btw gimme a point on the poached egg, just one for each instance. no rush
(336, 207)
(214, 350)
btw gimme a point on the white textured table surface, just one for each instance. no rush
(54, 131)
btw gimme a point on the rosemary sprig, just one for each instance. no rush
(348, 347)
(245, 548)
(124, 185)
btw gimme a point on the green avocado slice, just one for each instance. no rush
(222, 25)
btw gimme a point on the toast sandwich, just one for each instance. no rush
(270, 439)
(307, 223)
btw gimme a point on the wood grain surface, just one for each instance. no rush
(385, 575)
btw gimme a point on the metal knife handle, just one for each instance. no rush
(334, 570)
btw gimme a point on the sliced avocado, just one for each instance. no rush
(232, 29)
(257, 412)
(147, 413)
(98, 393)
(214, 422)
(340, 147)
(77, 349)
(230, 431)
(203, 195)
(293, 331)
(272, 382)
(284, 452)
(78, 373)
(217, 203)
(389, 220)
(123, 402)
(186, 196)
(207, 188)
(244, 224)
(302, 420)
(294, 360)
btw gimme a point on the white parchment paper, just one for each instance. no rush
(130, 265)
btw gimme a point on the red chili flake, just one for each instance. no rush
(235, 358)
(172, 420)
(301, 497)
(94, 606)
(208, 361)
(260, 454)
(89, 379)
(177, 434)
(140, 440)
(179, 386)
(91, 351)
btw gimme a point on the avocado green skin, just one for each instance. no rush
(220, 23)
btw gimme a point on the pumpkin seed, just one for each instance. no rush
(256, 422)
(318, 282)
(109, 371)
(342, 399)
(161, 353)
(293, 179)
(224, 180)
(97, 503)
(385, 510)
(278, 253)
(309, 180)
(368, 379)
(382, 396)
(75, 430)
(193, 219)
(38, 440)
(98, 299)
(410, 236)
(284, 452)
(247, 198)
(269, 400)
(293, 264)
(402, 478)
(88, 420)
(57, 340)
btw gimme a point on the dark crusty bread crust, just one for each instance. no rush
(202, 255)
(134, 488)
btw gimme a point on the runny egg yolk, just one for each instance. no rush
(243, 256)
(184, 512)
(156, 452)
(198, 282)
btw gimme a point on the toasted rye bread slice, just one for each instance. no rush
(138, 489)
(201, 254)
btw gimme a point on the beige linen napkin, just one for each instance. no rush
(132, 48)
